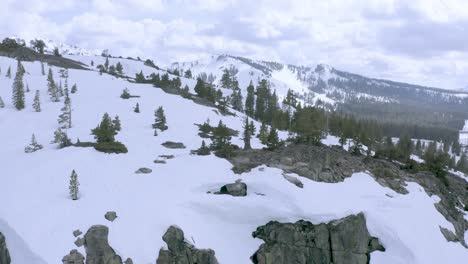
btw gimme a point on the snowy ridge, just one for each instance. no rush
(64, 49)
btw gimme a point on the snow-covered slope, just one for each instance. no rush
(34, 187)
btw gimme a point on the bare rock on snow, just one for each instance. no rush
(449, 235)
(79, 242)
(110, 216)
(293, 180)
(346, 240)
(173, 145)
(143, 170)
(98, 250)
(235, 189)
(74, 257)
(181, 252)
(77, 233)
(158, 161)
(4, 253)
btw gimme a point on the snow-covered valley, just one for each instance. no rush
(38, 217)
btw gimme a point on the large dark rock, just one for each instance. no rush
(344, 241)
(181, 252)
(98, 250)
(235, 189)
(4, 254)
(74, 257)
(173, 145)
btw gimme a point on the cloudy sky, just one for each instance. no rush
(417, 41)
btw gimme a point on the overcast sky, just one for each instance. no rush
(416, 41)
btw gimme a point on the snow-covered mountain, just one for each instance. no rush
(38, 217)
(63, 48)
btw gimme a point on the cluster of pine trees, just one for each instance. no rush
(116, 70)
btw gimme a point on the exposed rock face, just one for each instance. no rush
(77, 233)
(173, 145)
(143, 170)
(181, 252)
(294, 181)
(158, 161)
(333, 164)
(344, 241)
(97, 247)
(74, 257)
(4, 254)
(110, 216)
(235, 189)
(79, 242)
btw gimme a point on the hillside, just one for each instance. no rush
(38, 217)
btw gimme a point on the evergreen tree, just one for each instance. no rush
(221, 141)
(105, 132)
(74, 89)
(74, 186)
(8, 73)
(18, 89)
(137, 108)
(185, 91)
(52, 87)
(188, 74)
(56, 52)
(462, 164)
(203, 150)
(247, 134)
(272, 139)
(125, 94)
(252, 128)
(226, 79)
(33, 146)
(119, 68)
(250, 100)
(236, 100)
(263, 133)
(116, 123)
(112, 70)
(61, 138)
(200, 88)
(27, 88)
(64, 119)
(60, 89)
(140, 77)
(261, 100)
(106, 64)
(42, 68)
(159, 120)
(2, 104)
(37, 102)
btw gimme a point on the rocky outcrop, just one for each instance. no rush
(293, 180)
(77, 233)
(143, 171)
(98, 250)
(181, 252)
(110, 216)
(173, 145)
(333, 164)
(4, 253)
(74, 257)
(235, 189)
(344, 241)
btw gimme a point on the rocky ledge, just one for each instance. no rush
(343, 241)
(4, 254)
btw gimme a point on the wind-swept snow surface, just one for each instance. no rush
(34, 187)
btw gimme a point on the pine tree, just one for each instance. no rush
(74, 186)
(252, 128)
(27, 88)
(106, 64)
(137, 108)
(272, 139)
(203, 150)
(42, 68)
(116, 123)
(33, 146)
(74, 89)
(37, 102)
(61, 138)
(18, 89)
(226, 79)
(236, 100)
(60, 89)
(105, 132)
(2, 104)
(250, 100)
(119, 68)
(52, 87)
(247, 134)
(65, 119)
(159, 120)
(200, 88)
(263, 133)
(125, 94)
(8, 73)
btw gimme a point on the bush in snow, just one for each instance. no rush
(125, 94)
(33, 146)
(104, 134)
(137, 108)
(74, 189)
(2, 104)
